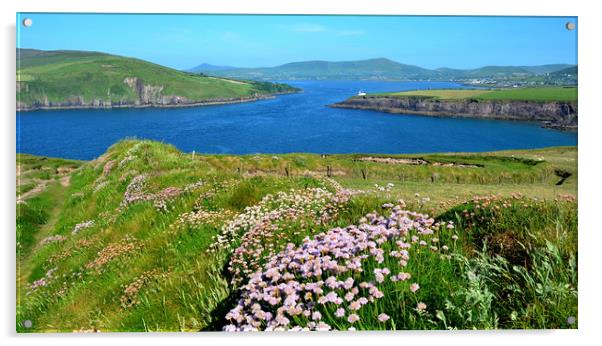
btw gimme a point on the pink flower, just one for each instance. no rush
(403, 276)
(340, 312)
(349, 296)
(322, 327)
(348, 283)
(356, 305)
(383, 317)
(316, 316)
(353, 318)
(420, 306)
(414, 287)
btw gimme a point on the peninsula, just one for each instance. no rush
(554, 107)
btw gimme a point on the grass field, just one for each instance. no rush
(61, 76)
(515, 94)
(147, 238)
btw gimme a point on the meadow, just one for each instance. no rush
(535, 94)
(147, 238)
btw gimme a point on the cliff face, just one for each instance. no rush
(144, 95)
(561, 115)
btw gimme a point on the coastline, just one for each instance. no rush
(554, 115)
(216, 102)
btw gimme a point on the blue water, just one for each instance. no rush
(289, 123)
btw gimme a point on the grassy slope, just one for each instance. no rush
(515, 94)
(187, 296)
(63, 75)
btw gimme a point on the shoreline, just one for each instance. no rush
(156, 105)
(377, 105)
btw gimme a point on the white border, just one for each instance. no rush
(589, 187)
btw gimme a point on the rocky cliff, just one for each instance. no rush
(144, 95)
(561, 115)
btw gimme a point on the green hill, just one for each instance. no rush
(147, 238)
(375, 69)
(55, 79)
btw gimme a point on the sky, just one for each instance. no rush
(185, 41)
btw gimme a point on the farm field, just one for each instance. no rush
(148, 238)
(547, 94)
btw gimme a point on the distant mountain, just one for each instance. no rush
(209, 68)
(380, 68)
(495, 71)
(376, 69)
(543, 69)
(573, 71)
(79, 79)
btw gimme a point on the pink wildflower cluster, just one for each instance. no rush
(53, 239)
(309, 201)
(101, 185)
(161, 198)
(81, 226)
(263, 239)
(130, 295)
(135, 193)
(344, 269)
(78, 246)
(113, 251)
(42, 281)
(130, 155)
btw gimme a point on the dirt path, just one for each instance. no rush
(64, 180)
(39, 188)
(24, 267)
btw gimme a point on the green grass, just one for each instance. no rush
(547, 94)
(502, 260)
(62, 76)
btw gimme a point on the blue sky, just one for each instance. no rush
(184, 41)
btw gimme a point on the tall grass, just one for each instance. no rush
(509, 263)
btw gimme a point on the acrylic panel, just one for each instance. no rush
(191, 172)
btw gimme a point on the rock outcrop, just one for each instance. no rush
(560, 115)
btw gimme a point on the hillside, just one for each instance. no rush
(147, 238)
(77, 79)
(379, 69)
(551, 106)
